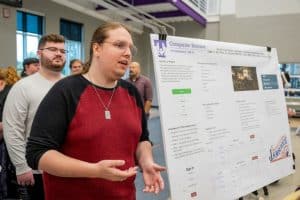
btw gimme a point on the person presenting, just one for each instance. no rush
(90, 130)
(20, 108)
(143, 84)
(30, 66)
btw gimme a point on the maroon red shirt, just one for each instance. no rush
(71, 120)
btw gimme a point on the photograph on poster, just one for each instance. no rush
(244, 78)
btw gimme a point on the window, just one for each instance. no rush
(72, 32)
(293, 69)
(29, 31)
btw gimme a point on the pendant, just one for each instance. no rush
(107, 114)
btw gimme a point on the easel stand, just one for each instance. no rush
(265, 189)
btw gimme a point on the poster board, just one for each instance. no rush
(223, 117)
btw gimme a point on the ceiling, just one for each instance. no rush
(139, 14)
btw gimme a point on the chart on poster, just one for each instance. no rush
(223, 117)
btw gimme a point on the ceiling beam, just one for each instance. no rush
(189, 11)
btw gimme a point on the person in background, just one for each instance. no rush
(285, 76)
(76, 66)
(20, 108)
(8, 77)
(4, 88)
(30, 66)
(11, 75)
(143, 84)
(8, 189)
(94, 130)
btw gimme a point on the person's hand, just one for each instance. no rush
(152, 178)
(25, 179)
(108, 170)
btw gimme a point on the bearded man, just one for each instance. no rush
(20, 108)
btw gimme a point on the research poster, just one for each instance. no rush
(223, 117)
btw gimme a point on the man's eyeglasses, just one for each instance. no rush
(122, 46)
(54, 50)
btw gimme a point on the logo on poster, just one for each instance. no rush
(280, 151)
(161, 46)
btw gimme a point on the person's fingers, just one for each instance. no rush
(159, 168)
(161, 183)
(115, 163)
(22, 182)
(110, 170)
(28, 183)
(156, 188)
(147, 188)
(32, 181)
(127, 173)
(25, 182)
(135, 168)
(152, 188)
(122, 175)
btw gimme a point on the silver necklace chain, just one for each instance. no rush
(107, 114)
(100, 99)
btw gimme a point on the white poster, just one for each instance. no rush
(223, 116)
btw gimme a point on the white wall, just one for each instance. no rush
(255, 8)
(227, 7)
(272, 23)
(279, 31)
(8, 37)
